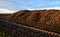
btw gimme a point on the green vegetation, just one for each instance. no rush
(3, 34)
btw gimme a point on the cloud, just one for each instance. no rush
(6, 11)
(56, 8)
(28, 4)
(8, 5)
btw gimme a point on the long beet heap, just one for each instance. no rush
(44, 19)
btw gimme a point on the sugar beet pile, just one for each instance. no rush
(48, 19)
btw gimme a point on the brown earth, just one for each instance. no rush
(45, 19)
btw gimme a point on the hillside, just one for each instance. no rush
(43, 19)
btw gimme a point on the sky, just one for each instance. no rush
(16, 5)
